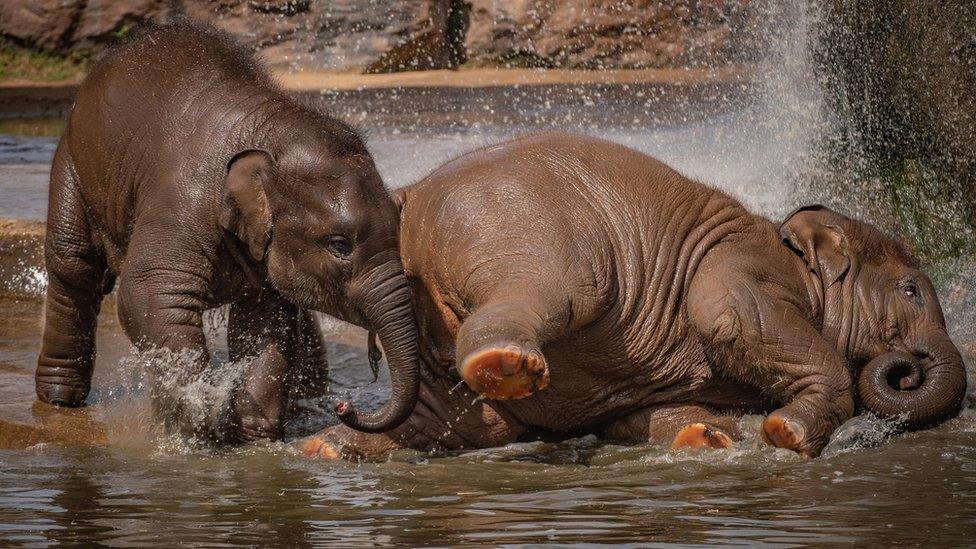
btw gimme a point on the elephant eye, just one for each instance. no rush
(910, 289)
(339, 246)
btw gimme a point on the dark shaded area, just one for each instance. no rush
(900, 76)
(440, 47)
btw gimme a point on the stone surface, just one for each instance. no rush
(320, 35)
(397, 35)
(47, 24)
(61, 25)
(104, 20)
(299, 34)
(611, 33)
(901, 74)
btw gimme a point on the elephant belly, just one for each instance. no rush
(590, 385)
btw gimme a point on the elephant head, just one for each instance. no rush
(884, 315)
(318, 220)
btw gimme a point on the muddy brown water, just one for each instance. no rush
(105, 475)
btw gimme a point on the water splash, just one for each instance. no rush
(862, 432)
(27, 281)
(189, 403)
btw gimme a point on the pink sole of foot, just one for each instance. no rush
(700, 435)
(506, 373)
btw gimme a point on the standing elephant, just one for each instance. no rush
(582, 285)
(188, 175)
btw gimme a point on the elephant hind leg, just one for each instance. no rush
(499, 344)
(77, 281)
(512, 371)
(678, 426)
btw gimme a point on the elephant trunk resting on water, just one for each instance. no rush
(186, 173)
(584, 286)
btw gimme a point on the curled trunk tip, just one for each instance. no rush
(896, 385)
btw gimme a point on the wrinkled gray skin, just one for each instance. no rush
(186, 174)
(584, 286)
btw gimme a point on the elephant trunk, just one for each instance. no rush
(925, 388)
(387, 308)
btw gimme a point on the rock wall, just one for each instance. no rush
(901, 75)
(301, 34)
(610, 33)
(393, 35)
(321, 35)
(60, 25)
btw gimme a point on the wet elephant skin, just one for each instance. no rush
(186, 175)
(580, 285)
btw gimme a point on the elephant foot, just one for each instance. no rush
(252, 421)
(508, 372)
(60, 394)
(318, 447)
(341, 443)
(700, 435)
(782, 431)
(63, 384)
(256, 409)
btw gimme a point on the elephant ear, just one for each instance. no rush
(816, 234)
(244, 211)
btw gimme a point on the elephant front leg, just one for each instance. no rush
(766, 342)
(161, 310)
(286, 348)
(679, 426)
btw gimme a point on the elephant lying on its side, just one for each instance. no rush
(584, 286)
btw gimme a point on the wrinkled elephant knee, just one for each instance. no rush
(161, 312)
